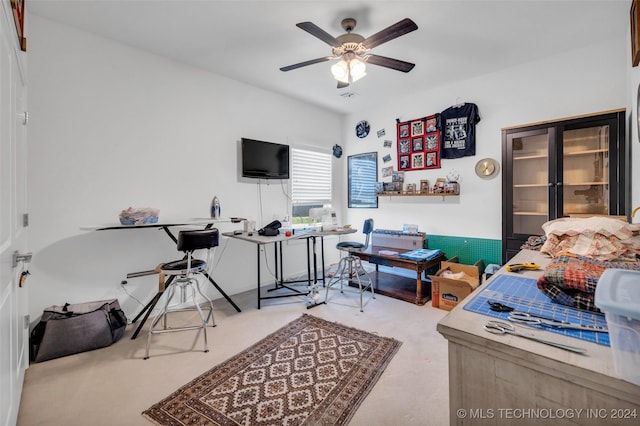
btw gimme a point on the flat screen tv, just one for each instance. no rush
(264, 160)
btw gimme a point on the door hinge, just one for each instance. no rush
(17, 257)
(25, 220)
(27, 321)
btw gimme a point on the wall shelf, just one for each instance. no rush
(417, 194)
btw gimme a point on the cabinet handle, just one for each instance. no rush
(550, 184)
(559, 184)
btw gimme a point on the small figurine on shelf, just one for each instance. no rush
(424, 186)
(411, 188)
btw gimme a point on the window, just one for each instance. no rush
(310, 183)
(363, 174)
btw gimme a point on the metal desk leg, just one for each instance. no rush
(258, 266)
(313, 303)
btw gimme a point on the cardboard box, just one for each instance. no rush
(446, 293)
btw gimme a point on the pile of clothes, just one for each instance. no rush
(581, 250)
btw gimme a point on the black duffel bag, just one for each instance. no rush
(81, 327)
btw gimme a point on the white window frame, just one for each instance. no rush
(311, 177)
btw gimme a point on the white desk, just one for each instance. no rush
(507, 373)
(280, 283)
(206, 223)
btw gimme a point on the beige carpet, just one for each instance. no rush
(113, 385)
(311, 371)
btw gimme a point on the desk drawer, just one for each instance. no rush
(380, 261)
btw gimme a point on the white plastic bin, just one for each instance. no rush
(618, 296)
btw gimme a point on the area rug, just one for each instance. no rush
(311, 371)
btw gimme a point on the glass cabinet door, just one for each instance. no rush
(575, 167)
(530, 199)
(585, 171)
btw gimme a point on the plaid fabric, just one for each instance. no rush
(571, 280)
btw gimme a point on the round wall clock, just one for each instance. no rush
(362, 129)
(487, 168)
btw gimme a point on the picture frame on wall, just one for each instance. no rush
(17, 6)
(403, 131)
(417, 160)
(634, 16)
(403, 162)
(432, 159)
(404, 146)
(417, 128)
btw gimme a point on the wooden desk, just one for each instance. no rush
(495, 376)
(396, 286)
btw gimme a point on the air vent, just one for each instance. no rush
(348, 94)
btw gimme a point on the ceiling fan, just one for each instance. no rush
(353, 50)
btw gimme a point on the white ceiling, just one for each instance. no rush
(250, 40)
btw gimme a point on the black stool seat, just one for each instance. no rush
(179, 267)
(349, 245)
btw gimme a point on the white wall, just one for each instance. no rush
(577, 82)
(113, 127)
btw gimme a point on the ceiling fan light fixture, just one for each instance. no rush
(340, 71)
(352, 70)
(357, 68)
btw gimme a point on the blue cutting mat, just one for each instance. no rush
(523, 294)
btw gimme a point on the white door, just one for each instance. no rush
(14, 320)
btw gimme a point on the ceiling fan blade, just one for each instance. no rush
(305, 63)
(318, 32)
(394, 31)
(342, 85)
(394, 64)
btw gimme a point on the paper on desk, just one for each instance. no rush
(387, 252)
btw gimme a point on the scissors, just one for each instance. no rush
(499, 327)
(499, 307)
(531, 319)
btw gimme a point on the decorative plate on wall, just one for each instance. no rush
(362, 129)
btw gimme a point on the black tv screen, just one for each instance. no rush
(264, 160)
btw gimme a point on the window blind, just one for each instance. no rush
(310, 177)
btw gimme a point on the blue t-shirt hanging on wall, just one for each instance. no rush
(459, 130)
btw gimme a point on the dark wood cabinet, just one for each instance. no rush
(574, 167)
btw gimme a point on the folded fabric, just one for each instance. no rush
(421, 254)
(601, 238)
(571, 280)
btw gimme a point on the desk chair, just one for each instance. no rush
(350, 267)
(183, 275)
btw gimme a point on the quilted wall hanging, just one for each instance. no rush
(419, 143)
